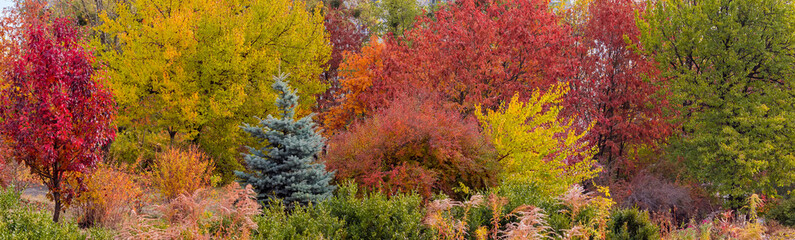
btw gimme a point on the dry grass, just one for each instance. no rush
(206, 214)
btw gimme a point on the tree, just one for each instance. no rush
(192, 70)
(286, 167)
(415, 144)
(535, 146)
(389, 17)
(474, 53)
(57, 114)
(358, 72)
(731, 69)
(619, 87)
(346, 36)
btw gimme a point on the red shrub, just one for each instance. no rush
(414, 144)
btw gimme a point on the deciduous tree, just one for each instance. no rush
(475, 52)
(731, 69)
(619, 87)
(346, 37)
(194, 69)
(57, 114)
(358, 72)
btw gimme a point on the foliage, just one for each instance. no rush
(631, 224)
(413, 145)
(20, 221)
(227, 213)
(389, 17)
(345, 37)
(619, 88)
(302, 222)
(534, 146)
(500, 215)
(194, 73)
(376, 216)
(730, 65)
(480, 53)
(729, 225)
(59, 114)
(471, 52)
(175, 172)
(286, 168)
(677, 200)
(111, 195)
(783, 212)
(350, 214)
(358, 72)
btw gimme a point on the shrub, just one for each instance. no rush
(225, 214)
(303, 222)
(414, 145)
(176, 172)
(573, 215)
(376, 216)
(631, 224)
(536, 146)
(660, 196)
(350, 214)
(784, 212)
(19, 221)
(111, 195)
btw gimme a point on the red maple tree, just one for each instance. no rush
(619, 87)
(482, 52)
(57, 114)
(471, 52)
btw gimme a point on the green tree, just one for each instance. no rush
(191, 70)
(389, 16)
(731, 68)
(286, 167)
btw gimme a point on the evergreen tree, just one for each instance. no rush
(285, 168)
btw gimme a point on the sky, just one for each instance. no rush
(6, 3)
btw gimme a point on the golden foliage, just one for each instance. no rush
(176, 172)
(535, 146)
(111, 196)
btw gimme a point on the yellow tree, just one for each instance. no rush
(535, 147)
(194, 70)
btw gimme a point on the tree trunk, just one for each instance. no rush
(56, 192)
(57, 211)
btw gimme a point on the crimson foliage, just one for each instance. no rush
(415, 144)
(620, 87)
(482, 52)
(57, 115)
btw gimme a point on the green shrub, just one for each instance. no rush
(631, 224)
(304, 222)
(347, 216)
(18, 221)
(376, 216)
(784, 212)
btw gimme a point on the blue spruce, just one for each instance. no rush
(286, 168)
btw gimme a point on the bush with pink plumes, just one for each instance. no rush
(206, 213)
